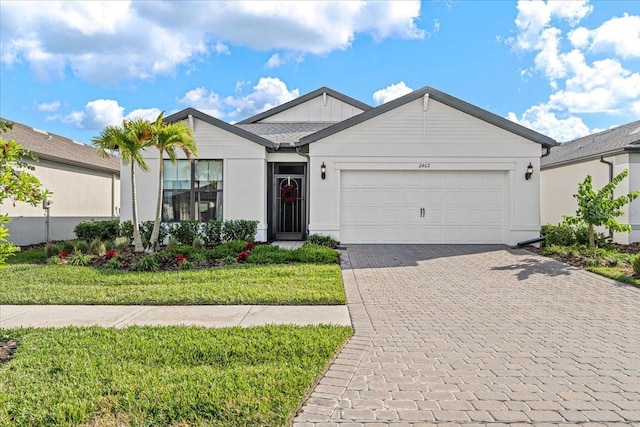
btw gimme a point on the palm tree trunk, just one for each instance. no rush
(156, 225)
(137, 240)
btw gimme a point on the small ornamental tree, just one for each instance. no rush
(600, 208)
(16, 185)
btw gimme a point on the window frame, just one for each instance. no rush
(195, 191)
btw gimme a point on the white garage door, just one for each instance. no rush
(422, 206)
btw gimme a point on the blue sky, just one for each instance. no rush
(565, 69)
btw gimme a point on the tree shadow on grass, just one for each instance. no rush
(530, 266)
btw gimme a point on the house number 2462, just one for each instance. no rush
(424, 165)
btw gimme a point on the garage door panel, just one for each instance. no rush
(423, 206)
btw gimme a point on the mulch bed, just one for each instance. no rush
(7, 348)
(129, 259)
(580, 262)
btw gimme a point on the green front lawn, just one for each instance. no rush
(616, 273)
(162, 376)
(288, 284)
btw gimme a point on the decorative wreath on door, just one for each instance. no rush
(288, 194)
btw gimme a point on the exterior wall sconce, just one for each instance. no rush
(529, 172)
(323, 171)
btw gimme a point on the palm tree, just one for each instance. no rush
(129, 140)
(168, 138)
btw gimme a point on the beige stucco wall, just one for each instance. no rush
(79, 194)
(444, 138)
(560, 183)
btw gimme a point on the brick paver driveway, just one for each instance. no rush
(480, 335)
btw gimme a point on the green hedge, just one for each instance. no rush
(101, 230)
(212, 233)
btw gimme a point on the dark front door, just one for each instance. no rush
(289, 195)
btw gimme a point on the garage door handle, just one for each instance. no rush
(422, 212)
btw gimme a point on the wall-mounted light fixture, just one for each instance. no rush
(529, 172)
(323, 171)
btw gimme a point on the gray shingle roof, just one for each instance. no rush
(57, 148)
(304, 98)
(286, 134)
(608, 142)
(446, 99)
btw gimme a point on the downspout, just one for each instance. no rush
(602, 160)
(308, 184)
(547, 152)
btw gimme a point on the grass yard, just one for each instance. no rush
(616, 273)
(162, 376)
(286, 284)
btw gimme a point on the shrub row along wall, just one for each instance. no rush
(210, 233)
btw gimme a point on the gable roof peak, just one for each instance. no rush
(304, 98)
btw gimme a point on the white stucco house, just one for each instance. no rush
(84, 186)
(424, 168)
(601, 155)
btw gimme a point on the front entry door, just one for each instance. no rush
(289, 197)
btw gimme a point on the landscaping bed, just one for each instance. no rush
(612, 261)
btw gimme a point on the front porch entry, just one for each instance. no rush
(288, 201)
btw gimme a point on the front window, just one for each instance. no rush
(192, 190)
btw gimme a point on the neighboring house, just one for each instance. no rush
(601, 155)
(84, 186)
(424, 168)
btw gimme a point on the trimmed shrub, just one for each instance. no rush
(239, 229)
(146, 229)
(212, 233)
(635, 263)
(229, 249)
(316, 254)
(185, 232)
(321, 240)
(102, 230)
(126, 230)
(51, 249)
(563, 235)
(68, 247)
(82, 246)
(267, 254)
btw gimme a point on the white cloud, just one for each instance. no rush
(48, 106)
(274, 61)
(580, 84)
(391, 92)
(620, 35)
(222, 49)
(103, 112)
(534, 16)
(268, 93)
(545, 121)
(204, 100)
(110, 41)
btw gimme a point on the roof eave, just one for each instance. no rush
(70, 162)
(184, 114)
(588, 158)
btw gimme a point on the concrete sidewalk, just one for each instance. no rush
(12, 316)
